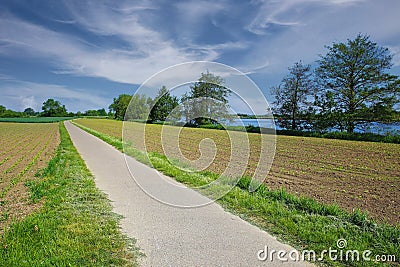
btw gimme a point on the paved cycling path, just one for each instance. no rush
(171, 236)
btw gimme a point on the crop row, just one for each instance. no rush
(27, 149)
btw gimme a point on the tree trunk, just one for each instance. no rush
(294, 111)
(293, 122)
(350, 126)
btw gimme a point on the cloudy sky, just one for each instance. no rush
(84, 53)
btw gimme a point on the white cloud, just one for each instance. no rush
(148, 52)
(28, 102)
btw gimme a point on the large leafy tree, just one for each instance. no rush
(29, 112)
(356, 76)
(119, 106)
(207, 100)
(53, 108)
(292, 96)
(127, 107)
(164, 104)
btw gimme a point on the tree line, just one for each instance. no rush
(50, 108)
(205, 103)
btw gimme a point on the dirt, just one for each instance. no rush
(15, 200)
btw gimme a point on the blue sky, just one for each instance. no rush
(84, 53)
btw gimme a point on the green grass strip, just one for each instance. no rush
(75, 226)
(300, 221)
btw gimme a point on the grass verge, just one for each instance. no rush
(75, 226)
(299, 221)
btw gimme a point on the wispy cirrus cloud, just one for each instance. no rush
(142, 51)
(293, 30)
(75, 56)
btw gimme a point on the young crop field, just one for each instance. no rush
(24, 149)
(352, 174)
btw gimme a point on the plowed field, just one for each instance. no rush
(25, 148)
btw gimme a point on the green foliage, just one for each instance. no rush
(29, 112)
(93, 112)
(138, 108)
(8, 113)
(292, 96)
(355, 75)
(53, 108)
(163, 105)
(127, 107)
(75, 226)
(207, 100)
(119, 106)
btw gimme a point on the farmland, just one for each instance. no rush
(25, 148)
(52, 214)
(351, 174)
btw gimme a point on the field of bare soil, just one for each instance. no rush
(352, 174)
(25, 148)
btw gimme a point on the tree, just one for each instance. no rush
(101, 112)
(138, 108)
(207, 100)
(163, 105)
(327, 116)
(130, 107)
(53, 108)
(119, 106)
(29, 112)
(292, 96)
(356, 74)
(2, 109)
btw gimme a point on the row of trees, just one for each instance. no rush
(8, 113)
(205, 103)
(350, 85)
(50, 108)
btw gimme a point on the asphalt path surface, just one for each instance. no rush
(170, 235)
